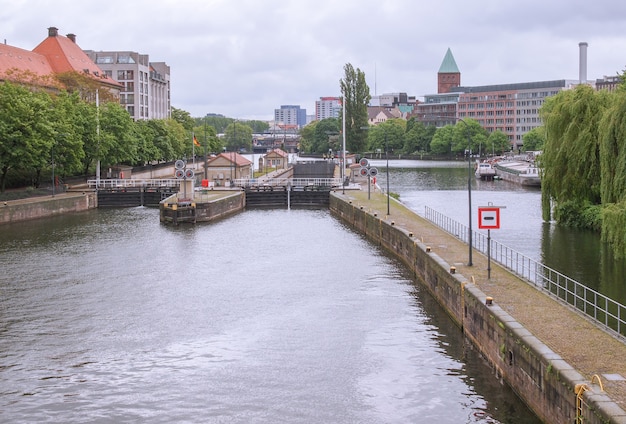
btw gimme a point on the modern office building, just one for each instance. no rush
(327, 107)
(146, 85)
(290, 115)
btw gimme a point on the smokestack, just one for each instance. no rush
(53, 32)
(72, 37)
(582, 66)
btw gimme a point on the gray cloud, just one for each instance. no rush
(244, 58)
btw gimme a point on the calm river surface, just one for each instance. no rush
(266, 317)
(443, 187)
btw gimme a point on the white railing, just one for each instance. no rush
(132, 183)
(285, 182)
(605, 311)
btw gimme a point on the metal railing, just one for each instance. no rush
(283, 182)
(608, 313)
(132, 183)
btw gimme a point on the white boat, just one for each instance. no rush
(485, 171)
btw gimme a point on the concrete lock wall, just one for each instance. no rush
(47, 207)
(538, 375)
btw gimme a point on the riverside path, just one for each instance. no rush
(583, 345)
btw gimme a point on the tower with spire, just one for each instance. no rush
(448, 75)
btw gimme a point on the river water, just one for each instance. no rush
(442, 186)
(265, 317)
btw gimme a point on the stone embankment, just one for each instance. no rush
(47, 206)
(561, 364)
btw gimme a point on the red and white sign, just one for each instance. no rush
(489, 218)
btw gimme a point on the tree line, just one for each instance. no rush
(40, 126)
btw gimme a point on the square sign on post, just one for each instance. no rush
(489, 218)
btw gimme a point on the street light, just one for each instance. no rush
(469, 182)
(469, 188)
(387, 158)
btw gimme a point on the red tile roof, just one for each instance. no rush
(54, 55)
(13, 59)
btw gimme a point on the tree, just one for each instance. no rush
(238, 136)
(207, 137)
(184, 118)
(570, 161)
(477, 136)
(26, 135)
(534, 139)
(418, 136)
(387, 135)
(441, 143)
(307, 137)
(356, 96)
(67, 119)
(497, 142)
(118, 141)
(327, 136)
(258, 127)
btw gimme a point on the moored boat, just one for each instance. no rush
(518, 171)
(485, 171)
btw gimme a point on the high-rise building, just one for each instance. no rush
(327, 107)
(290, 115)
(146, 85)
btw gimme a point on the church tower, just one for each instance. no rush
(448, 75)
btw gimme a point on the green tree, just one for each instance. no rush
(118, 140)
(258, 127)
(356, 96)
(534, 139)
(66, 120)
(441, 143)
(184, 118)
(497, 143)
(238, 136)
(387, 135)
(207, 137)
(26, 135)
(477, 136)
(418, 136)
(570, 161)
(307, 137)
(327, 136)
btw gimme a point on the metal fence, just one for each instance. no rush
(608, 313)
(132, 183)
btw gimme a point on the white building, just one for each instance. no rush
(146, 92)
(327, 107)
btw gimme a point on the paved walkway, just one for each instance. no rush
(586, 347)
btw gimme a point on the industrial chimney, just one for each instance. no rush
(582, 66)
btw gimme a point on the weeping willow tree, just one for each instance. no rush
(613, 183)
(570, 162)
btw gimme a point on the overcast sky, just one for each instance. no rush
(245, 58)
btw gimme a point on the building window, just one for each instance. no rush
(131, 110)
(104, 59)
(125, 75)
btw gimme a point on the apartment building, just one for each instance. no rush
(327, 107)
(146, 85)
(291, 115)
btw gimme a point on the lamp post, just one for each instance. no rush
(387, 158)
(469, 183)
(206, 142)
(52, 153)
(469, 189)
